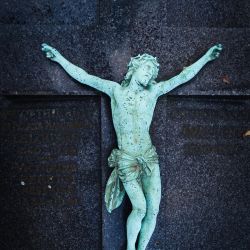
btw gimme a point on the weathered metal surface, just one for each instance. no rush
(51, 173)
(135, 160)
(204, 161)
(114, 224)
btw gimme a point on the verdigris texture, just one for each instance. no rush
(135, 162)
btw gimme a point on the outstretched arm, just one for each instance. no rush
(79, 74)
(189, 72)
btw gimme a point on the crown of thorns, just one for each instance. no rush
(136, 62)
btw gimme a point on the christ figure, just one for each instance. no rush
(135, 161)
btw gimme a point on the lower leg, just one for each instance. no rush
(134, 226)
(147, 229)
(152, 191)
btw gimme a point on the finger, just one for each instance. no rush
(217, 50)
(47, 47)
(219, 45)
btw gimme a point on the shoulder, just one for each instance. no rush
(154, 88)
(117, 90)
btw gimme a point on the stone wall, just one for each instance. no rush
(56, 134)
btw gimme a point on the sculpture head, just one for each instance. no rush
(144, 68)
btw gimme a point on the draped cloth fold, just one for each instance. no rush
(126, 168)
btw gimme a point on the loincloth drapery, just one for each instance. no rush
(126, 168)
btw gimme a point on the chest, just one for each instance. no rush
(126, 100)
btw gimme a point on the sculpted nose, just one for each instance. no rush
(151, 71)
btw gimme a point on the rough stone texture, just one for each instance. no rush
(204, 161)
(51, 176)
(174, 47)
(124, 30)
(204, 158)
(180, 47)
(208, 13)
(195, 13)
(49, 12)
(41, 76)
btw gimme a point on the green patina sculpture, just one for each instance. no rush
(135, 162)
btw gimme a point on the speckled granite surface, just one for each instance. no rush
(50, 173)
(124, 29)
(57, 134)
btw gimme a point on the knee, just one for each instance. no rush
(140, 208)
(152, 213)
(140, 212)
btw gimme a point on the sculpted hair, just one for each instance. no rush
(135, 63)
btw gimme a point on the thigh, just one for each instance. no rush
(135, 194)
(152, 188)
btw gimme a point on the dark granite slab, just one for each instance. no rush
(167, 13)
(50, 173)
(53, 147)
(105, 53)
(49, 12)
(177, 48)
(195, 13)
(204, 162)
(26, 70)
(50, 156)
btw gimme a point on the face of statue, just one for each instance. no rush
(144, 73)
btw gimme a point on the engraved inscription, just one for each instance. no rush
(44, 144)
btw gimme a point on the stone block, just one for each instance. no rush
(51, 176)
